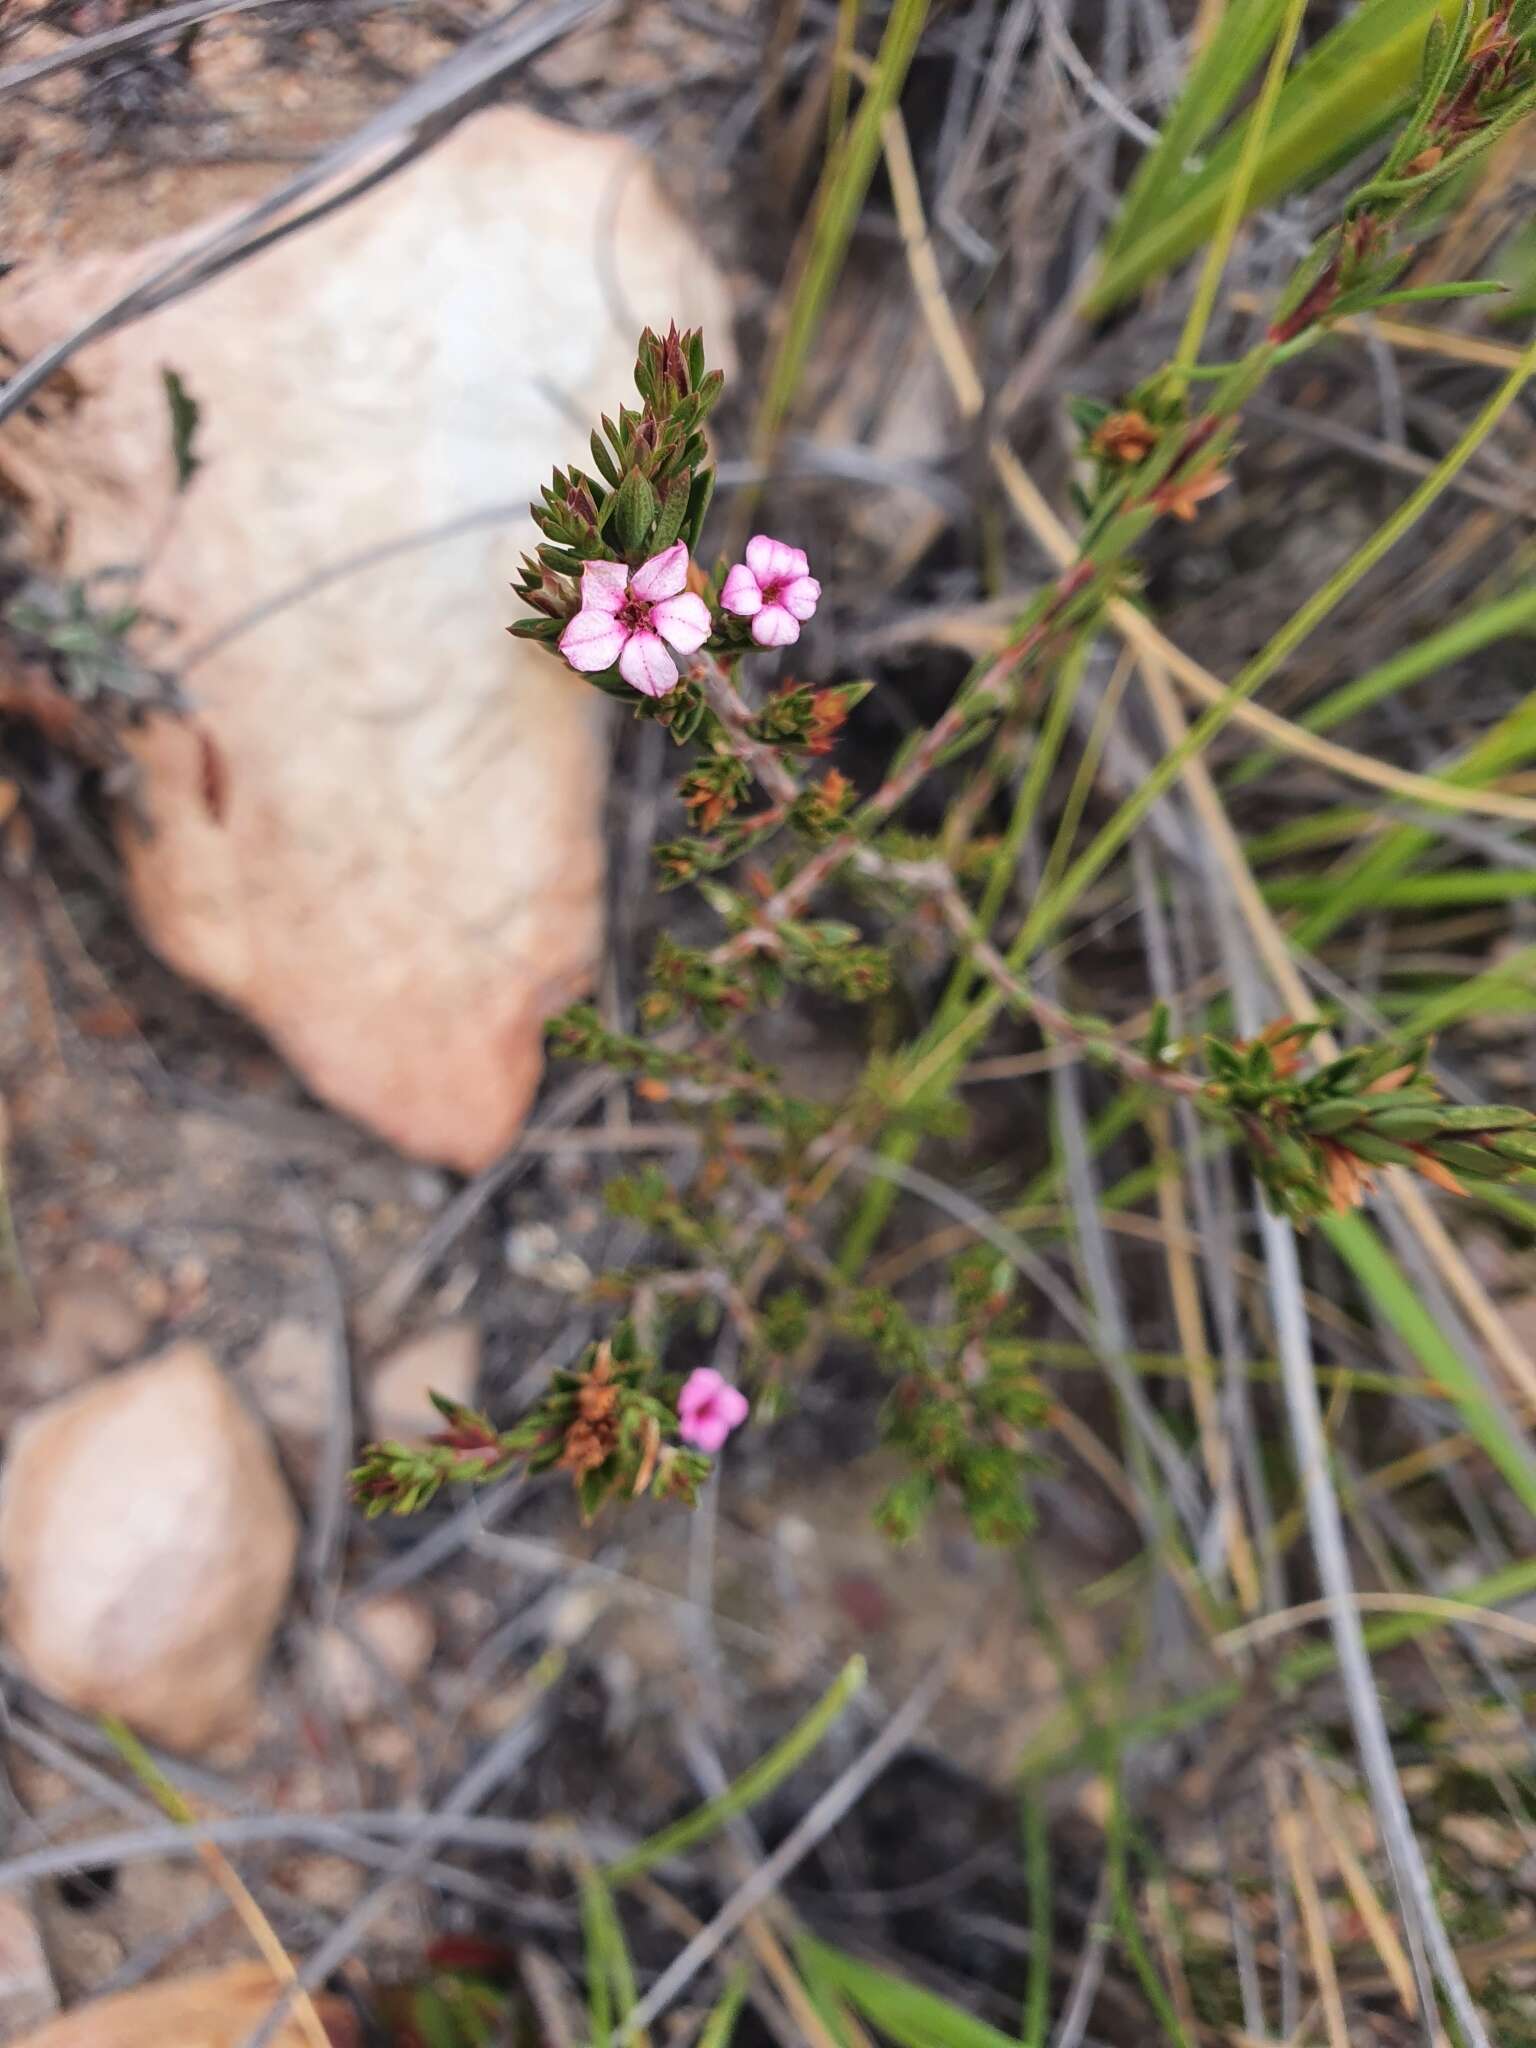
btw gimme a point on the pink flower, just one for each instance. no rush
(625, 618)
(773, 588)
(709, 1408)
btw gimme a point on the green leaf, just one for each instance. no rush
(1474, 629)
(185, 414)
(1218, 75)
(1338, 97)
(611, 1994)
(1357, 1243)
(753, 1785)
(839, 199)
(433, 2021)
(721, 2024)
(700, 492)
(633, 509)
(674, 512)
(604, 461)
(911, 2016)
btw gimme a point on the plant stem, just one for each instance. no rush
(880, 1194)
(1302, 623)
(1235, 203)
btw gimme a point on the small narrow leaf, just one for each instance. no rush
(185, 414)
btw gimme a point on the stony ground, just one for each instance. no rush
(171, 1182)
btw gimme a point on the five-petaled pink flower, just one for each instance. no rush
(626, 616)
(774, 588)
(709, 1408)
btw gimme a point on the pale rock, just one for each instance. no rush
(94, 1317)
(333, 1883)
(89, 1321)
(388, 1638)
(386, 1746)
(382, 837)
(442, 1360)
(146, 1545)
(213, 2009)
(27, 1992)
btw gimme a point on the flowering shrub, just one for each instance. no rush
(616, 587)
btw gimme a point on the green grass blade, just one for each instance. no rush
(843, 187)
(909, 2015)
(1475, 629)
(1377, 876)
(1057, 1747)
(1037, 1863)
(611, 1992)
(1357, 1243)
(1512, 984)
(1334, 102)
(1461, 889)
(1236, 200)
(754, 1784)
(721, 2024)
(1127, 1922)
(1219, 74)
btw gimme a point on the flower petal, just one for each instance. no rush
(775, 561)
(699, 1389)
(683, 622)
(663, 575)
(801, 597)
(707, 1432)
(646, 665)
(592, 641)
(740, 593)
(603, 586)
(708, 1409)
(774, 627)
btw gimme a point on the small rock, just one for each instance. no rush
(27, 1993)
(386, 1746)
(213, 2009)
(89, 1321)
(1492, 1844)
(146, 1543)
(287, 1376)
(394, 1631)
(333, 1883)
(530, 1246)
(94, 1316)
(533, 1251)
(427, 1188)
(444, 1360)
(403, 896)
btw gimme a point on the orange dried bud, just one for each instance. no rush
(1346, 1178)
(1386, 1084)
(648, 1457)
(1425, 160)
(829, 709)
(1125, 437)
(588, 1445)
(1182, 496)
(651, 1089)
(1442, 1177)
(1285, 1040)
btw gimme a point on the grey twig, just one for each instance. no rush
(422, 115)
(1326, 1526)
(127, 35)
(839, 1797)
